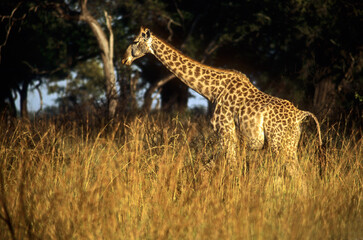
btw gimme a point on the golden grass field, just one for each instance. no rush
(146, 178)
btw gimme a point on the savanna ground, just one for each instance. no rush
(146, 178)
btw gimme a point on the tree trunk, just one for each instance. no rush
(128, 89)
(174, 96)
(106, 47)
(24, 100)
(324, 97)
(7, 103)
(148, 94)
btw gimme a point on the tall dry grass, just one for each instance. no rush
(146, 178)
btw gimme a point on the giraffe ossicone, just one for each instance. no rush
(239, 105)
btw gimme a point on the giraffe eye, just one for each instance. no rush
(146, 35)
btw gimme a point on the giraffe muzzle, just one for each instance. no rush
(128, 57)
(127, 61)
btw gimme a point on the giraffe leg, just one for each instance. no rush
(291, 143)
(224, 125)
(283, 141)
(252, 131)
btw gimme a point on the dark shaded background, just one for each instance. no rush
(309, 52)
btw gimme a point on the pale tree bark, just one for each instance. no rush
(106, 46)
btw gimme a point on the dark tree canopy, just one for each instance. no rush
(309, 52)
(39, 46)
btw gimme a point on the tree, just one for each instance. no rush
(309, 52)
(25, 62)
(63, 47)
(83, 89)
(107, 48)
(105, 44)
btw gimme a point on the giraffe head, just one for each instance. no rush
(139, 47)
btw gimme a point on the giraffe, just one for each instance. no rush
(261, 119)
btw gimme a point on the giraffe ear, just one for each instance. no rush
(146, 34)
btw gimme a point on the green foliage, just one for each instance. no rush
(85, 85)
(359, 97)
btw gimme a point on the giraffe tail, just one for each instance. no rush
(305, 114)
(321, 149)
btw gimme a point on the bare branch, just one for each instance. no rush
(63, 11)
(44, 72)
(11, 22)
(171, 21)
(171, 33)
(178, 10)
(111, 38)
(191, 30)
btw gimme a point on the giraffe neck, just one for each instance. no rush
(207, 81)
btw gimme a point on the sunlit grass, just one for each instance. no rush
(149, 178)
